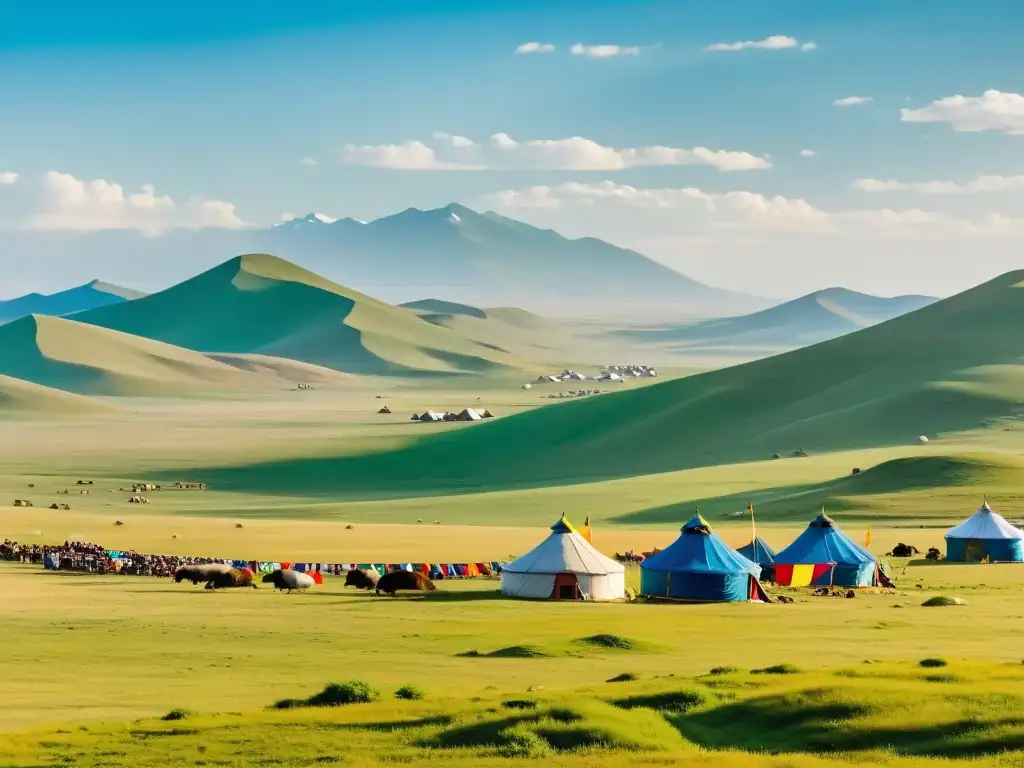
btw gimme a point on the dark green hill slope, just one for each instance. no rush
(950, 366)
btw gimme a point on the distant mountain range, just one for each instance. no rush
(88, 296)
(810, 319)
(452, 252)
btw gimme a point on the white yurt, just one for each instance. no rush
(565, 566)
(985, 536)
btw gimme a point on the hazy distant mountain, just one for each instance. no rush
(810, 319)
(88, 296)
(488, 259)
(452, 253)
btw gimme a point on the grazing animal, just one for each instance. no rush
(236, 577)
(118, 522)
(412, 581)
(856, 471)
(783, 599)
(362, 579)
(138, 500)
(289, 580)
(933, 554)
(198, 574)
(904, 550)
(22, 503)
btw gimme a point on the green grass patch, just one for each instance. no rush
(625, 677)
(410, 692)
(777, 669)
(612, 642)
(335, 695)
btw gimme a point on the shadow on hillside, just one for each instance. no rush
(791, 503)
(797, 723)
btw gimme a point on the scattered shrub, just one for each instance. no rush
(520, 742)
(670, 701)
(289, 703)
(940, 600)
(520, 652)
(410, 693)
(338, 694)
(176, 714)
(564, 715)
(723, 671)
(625, 677)
(616, 642)
(933, 662)
(777, 669)
(519, 704)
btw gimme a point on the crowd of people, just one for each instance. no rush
(91, 558)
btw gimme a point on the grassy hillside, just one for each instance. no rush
(23, 398)
(263, 304)
(954, 365)
(807, 320)
(94, 294)
(88, 359)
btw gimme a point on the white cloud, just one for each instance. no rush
(575, 153)
(992, 111)
(808, 153)
(852, 101)
(605, 51)
(738, 210)
(310, 161)
(59, 201)
(409, 156)
(286, 217)
(459, 142)
(981, 184)
(8, 177)
(770, 43)
(534, 47)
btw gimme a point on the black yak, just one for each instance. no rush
(236, 577)
(289, 580)
(199, 574)
(413, 581)
(362, 579)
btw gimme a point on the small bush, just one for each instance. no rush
(777, 669)
(410, 693)
(616, 642)
(564, 715)
(520, 652)
(942, 600)
(625, 677)
(519, 704)
(289, 703)
(933, 662)
(670, 701)
(520, 742)
(723, 671)
(176, 714)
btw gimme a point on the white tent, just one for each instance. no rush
(985, 524)
(469, 415)
(564, 566)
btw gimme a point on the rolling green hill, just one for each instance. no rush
(262, 304)
(954, 365)
(807, 320)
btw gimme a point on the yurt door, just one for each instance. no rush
(974, 550)
(566, 587)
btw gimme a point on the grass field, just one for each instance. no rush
(88, 662)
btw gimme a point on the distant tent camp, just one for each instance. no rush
(385, 409)
(825, 556)
(432, 416)
(985, 535)
(758, 552)
(699, 566)
(415, 417)
(469, 415)
(564, 567)
(487, 415)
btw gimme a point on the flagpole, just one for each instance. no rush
(753, 529)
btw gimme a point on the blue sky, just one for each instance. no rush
(223, 100)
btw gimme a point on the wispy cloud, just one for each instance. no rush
(852, 101)
(8, 177)
(978, 185)
(992, 111)
(605, 51)
(808, 153)
(535, 47)
(501, 151)
(770, 43)
(310, 161)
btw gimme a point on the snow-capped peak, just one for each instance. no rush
(288, 219)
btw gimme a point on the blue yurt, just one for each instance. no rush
(757, 551)
(825, 556)
(985, 535)
(699, 566)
